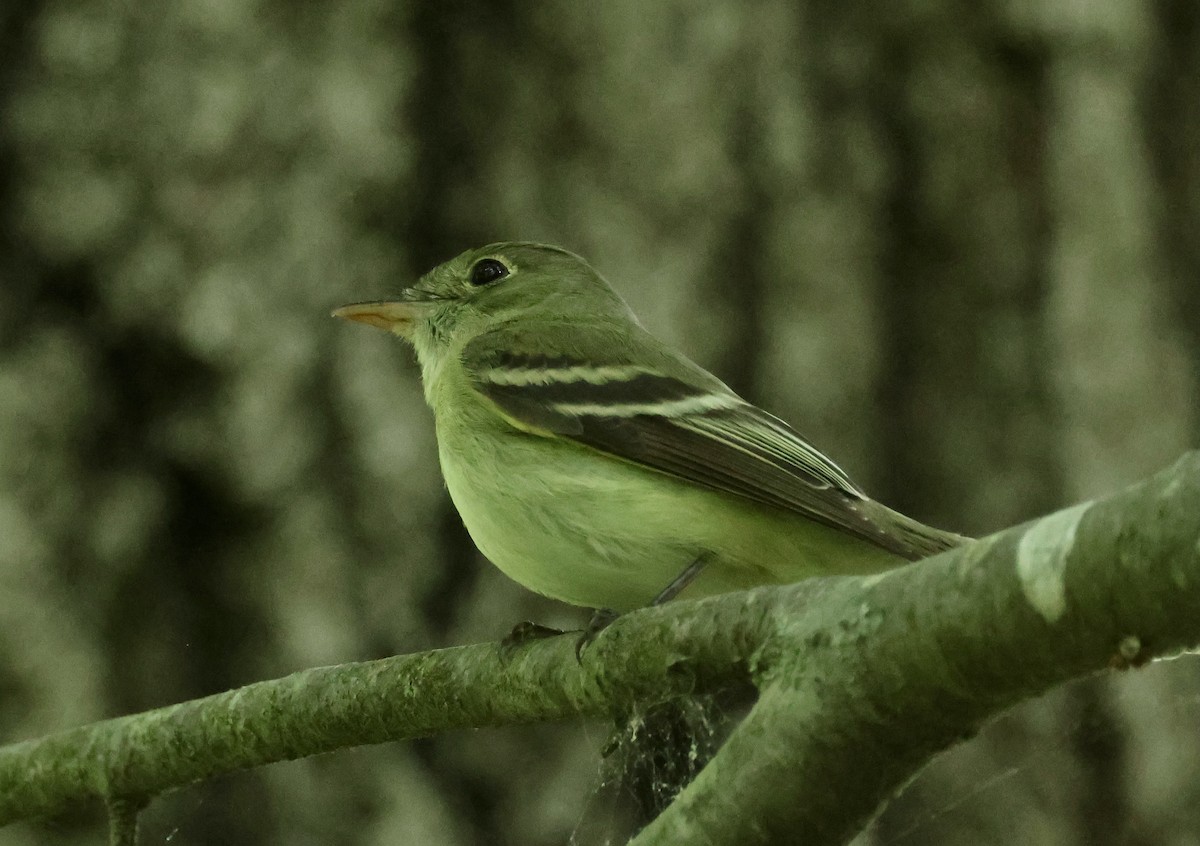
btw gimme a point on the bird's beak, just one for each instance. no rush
(395, 316)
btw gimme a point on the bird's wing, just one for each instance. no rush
(643, 403)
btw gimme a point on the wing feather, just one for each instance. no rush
(673, 417)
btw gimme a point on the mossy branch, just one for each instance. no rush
(861, 680)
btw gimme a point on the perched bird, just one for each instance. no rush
(595, 464)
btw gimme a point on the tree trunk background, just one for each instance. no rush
(955, 244)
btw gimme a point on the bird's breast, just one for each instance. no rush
(574, 524)
(557, 518)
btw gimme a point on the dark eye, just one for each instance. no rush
(487, 271)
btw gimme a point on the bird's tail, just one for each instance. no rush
(913, 539)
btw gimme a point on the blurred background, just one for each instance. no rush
(954, 243)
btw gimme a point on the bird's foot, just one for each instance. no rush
(602, 618)
(523, 634)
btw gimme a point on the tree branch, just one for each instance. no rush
(862, 680)
(664, 653)
(123, 820)
(863, 689)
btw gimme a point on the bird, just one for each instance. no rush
(597, 465)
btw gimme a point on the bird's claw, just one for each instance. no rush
(524, 633)
(602, 618)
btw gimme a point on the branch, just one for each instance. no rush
(329, 708)
(123, 820)
(862, 680)
(880, 675)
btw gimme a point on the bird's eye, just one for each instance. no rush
(486, 271)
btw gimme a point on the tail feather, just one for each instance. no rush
(911, 538)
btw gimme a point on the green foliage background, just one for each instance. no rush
(954, 243)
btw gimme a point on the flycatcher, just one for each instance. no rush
(594, 464)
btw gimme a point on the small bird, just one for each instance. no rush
(594, 464)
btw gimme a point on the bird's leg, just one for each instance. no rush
(602, 618)
(686, 576)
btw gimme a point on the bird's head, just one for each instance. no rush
(488, 288)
